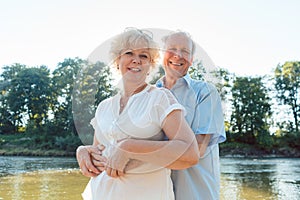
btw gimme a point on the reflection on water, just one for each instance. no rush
(19, 164)
(260, 178)
(28, 178)
(43, 185)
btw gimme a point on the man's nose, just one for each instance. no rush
(178, 53)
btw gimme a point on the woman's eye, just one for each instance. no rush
(144, 56)
(128, 53)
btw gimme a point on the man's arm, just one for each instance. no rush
(203, 141)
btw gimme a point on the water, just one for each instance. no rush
(29, 178)
(274, 178)
(10, 165)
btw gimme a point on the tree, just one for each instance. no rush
(251, 111)
(219, 77)
(157, 75)
(29, 97)
(105, 88)
(9, 120)
(287, 84)
(64, 77)
(93, 85)
(197, 71)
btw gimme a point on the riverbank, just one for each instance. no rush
(26, 145)
(226, 150)
(246, 150)
(17, 151)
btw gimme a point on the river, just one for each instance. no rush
(47, 178)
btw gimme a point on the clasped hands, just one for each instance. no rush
(92, 162)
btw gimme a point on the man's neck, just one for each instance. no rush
(170, 81)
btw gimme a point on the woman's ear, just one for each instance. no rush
(117, 61)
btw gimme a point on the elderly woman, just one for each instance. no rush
(133, 125)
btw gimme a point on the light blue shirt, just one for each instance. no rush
(205, 116)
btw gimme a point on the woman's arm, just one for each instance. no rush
(179, 152)
(84, 154)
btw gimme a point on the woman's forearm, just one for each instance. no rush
(173, 154)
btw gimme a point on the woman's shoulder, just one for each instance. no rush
(159, 90)
(105, 103)
(161, 94)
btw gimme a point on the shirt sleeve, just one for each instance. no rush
(166, 103)
(211, 120)
(100, 137)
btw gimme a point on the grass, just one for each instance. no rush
(26, 145)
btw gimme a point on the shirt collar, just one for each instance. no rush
(183, 80)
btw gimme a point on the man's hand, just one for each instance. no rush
(84, 157)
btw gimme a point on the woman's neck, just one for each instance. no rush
(131, 89)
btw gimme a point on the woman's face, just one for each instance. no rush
(134, 64)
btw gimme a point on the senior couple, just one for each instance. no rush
(155, 142)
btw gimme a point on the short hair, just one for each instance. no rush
(129, 39)
(183, 33)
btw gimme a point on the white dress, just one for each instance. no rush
(142, 118)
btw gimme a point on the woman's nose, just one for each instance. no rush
(136, 59)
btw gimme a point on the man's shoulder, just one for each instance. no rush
(201, 86)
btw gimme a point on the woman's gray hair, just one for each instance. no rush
(130, 39)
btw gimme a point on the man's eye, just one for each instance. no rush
(185, 51)
(172, 49)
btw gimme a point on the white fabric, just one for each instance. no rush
(142, 118)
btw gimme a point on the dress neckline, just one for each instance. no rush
(118, 98)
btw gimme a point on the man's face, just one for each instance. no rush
(178, 55)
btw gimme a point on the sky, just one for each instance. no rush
(246, 37)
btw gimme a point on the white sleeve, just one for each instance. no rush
(166, 103)
(100, 137)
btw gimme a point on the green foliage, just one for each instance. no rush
(6, 124)
(287, 84)
(40, 110)
(64, 77)
(157, 75)
(92, 85)
(30, 95)
(68, 143)
(251, 111)
(219, 77)
(197, 71)
(105, 88)
(9, 120)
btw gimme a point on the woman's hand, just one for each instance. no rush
(117, 160)
(89, 157)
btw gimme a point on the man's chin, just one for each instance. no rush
(175, 72)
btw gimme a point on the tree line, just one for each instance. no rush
(53, 108)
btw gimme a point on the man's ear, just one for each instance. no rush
(191, 60)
